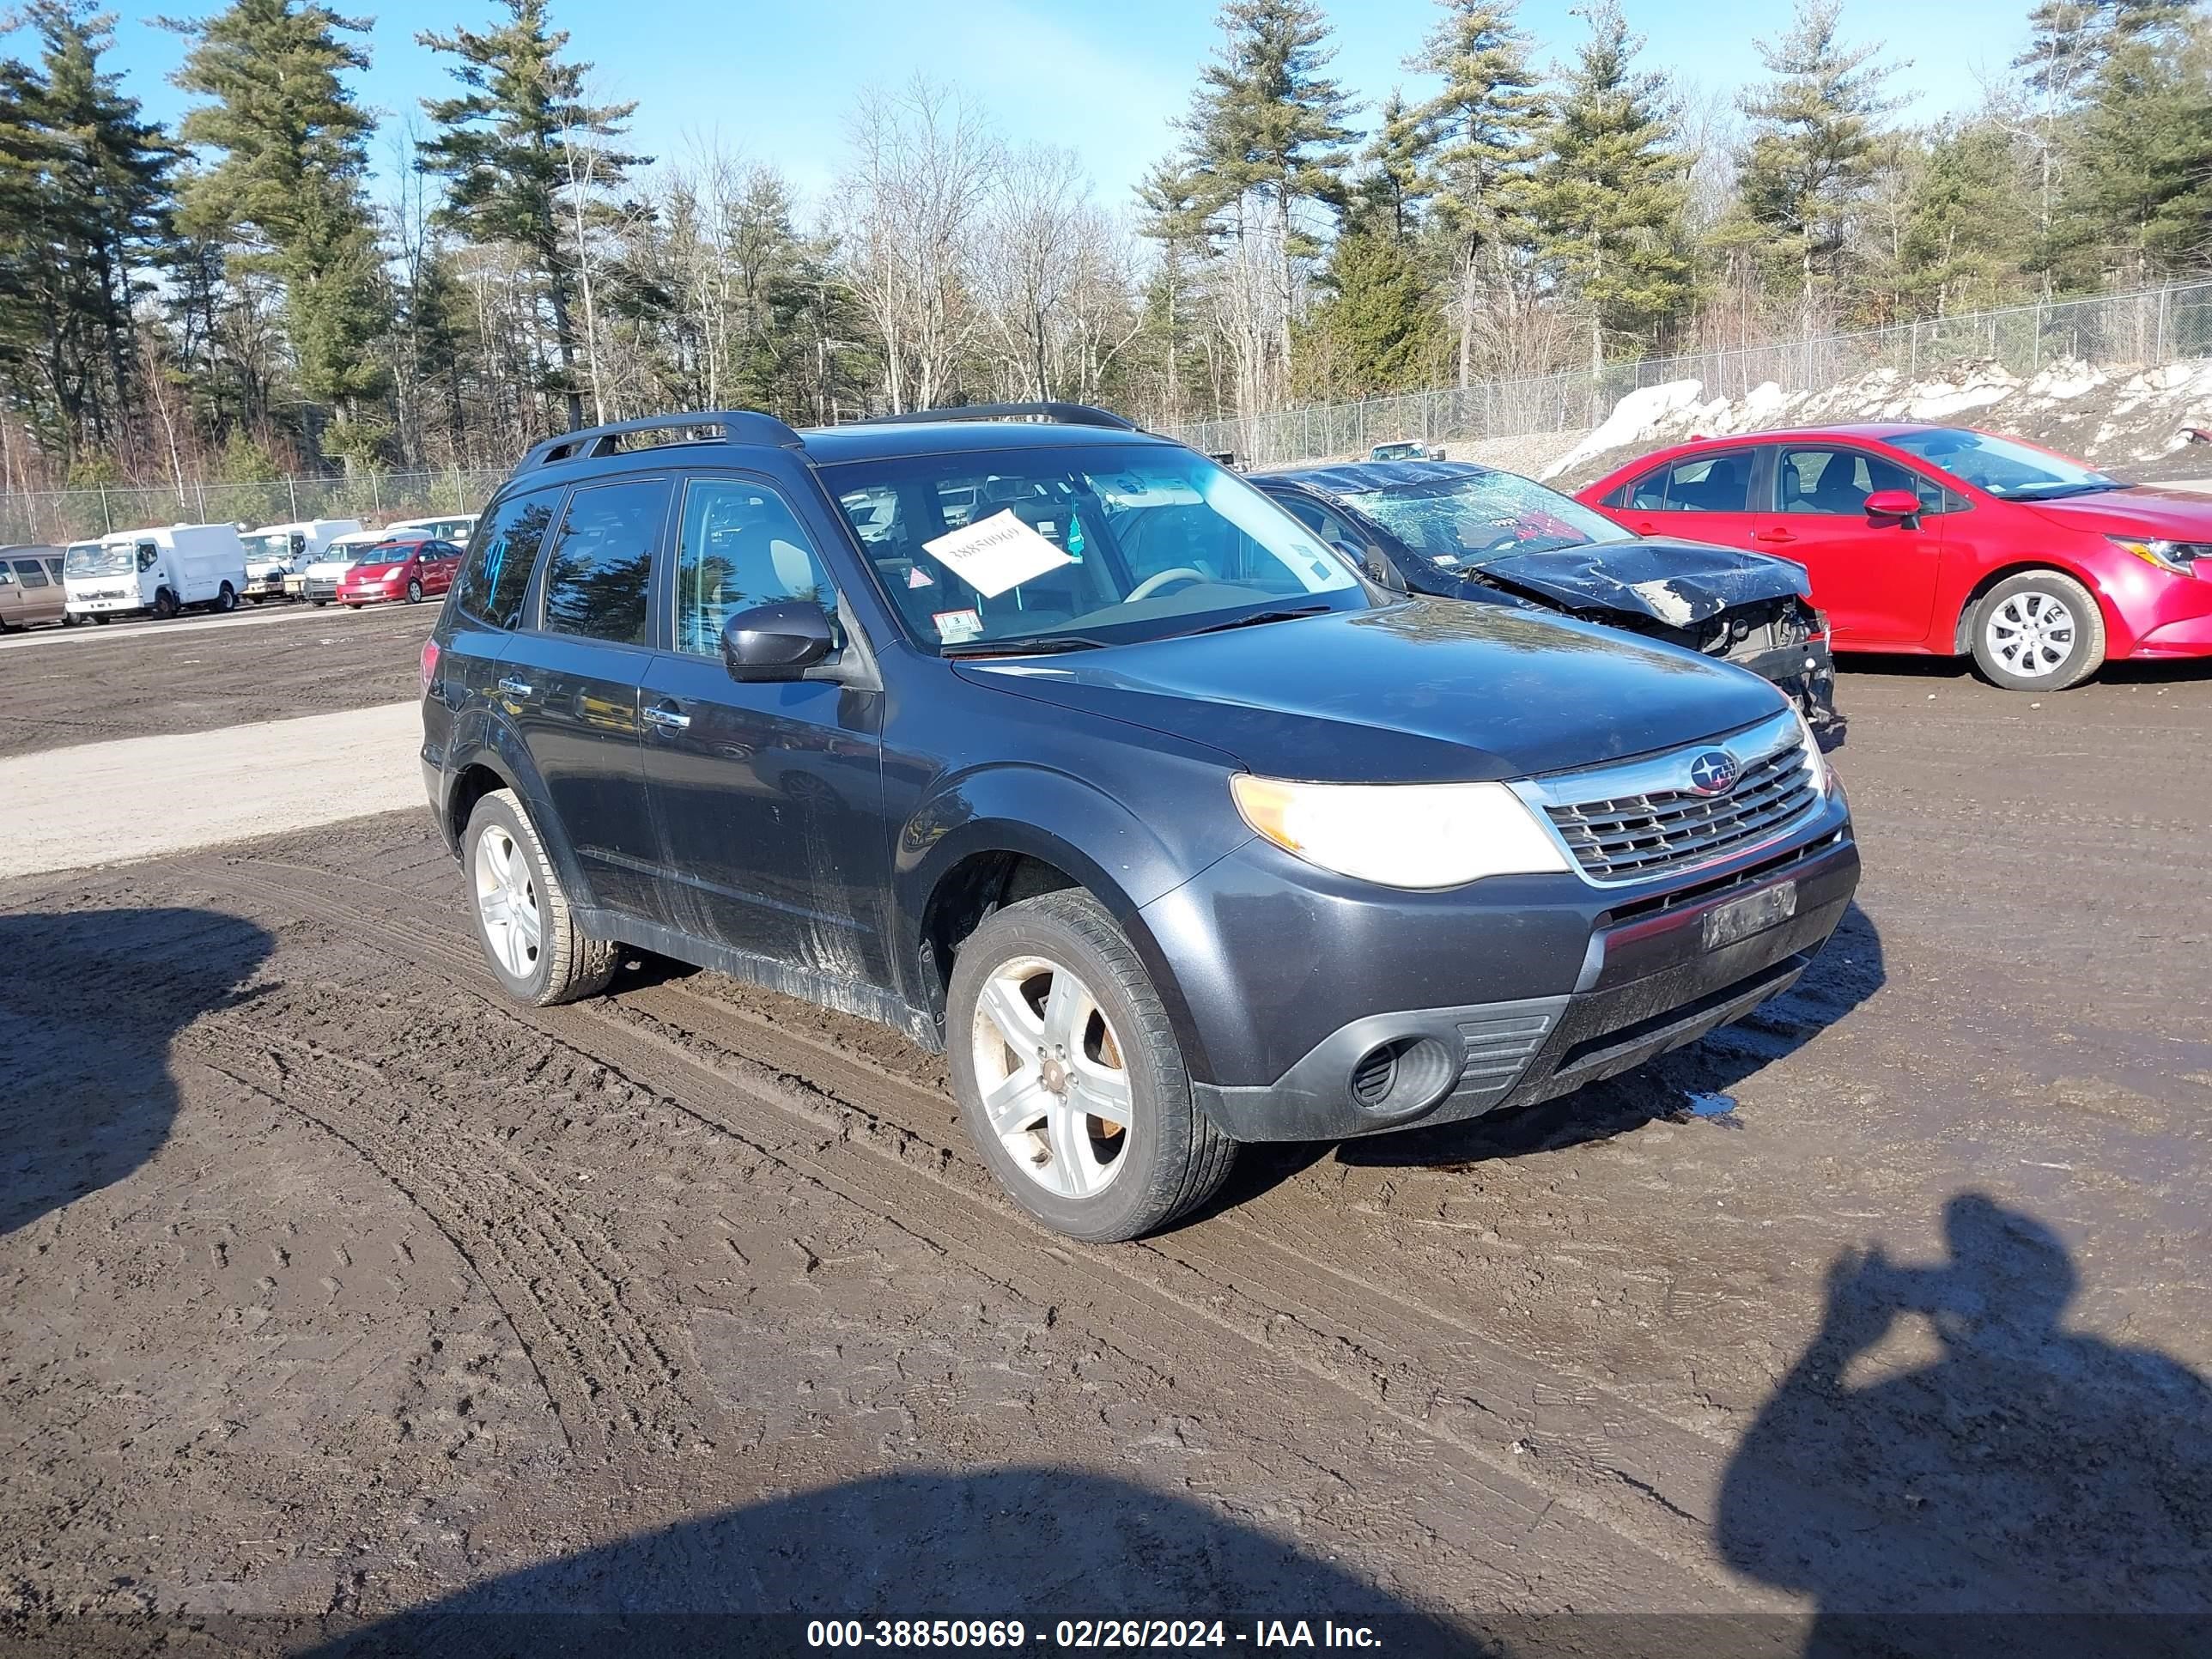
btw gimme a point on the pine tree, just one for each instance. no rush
(1397, 182)
(1170, 215)
(1268, 126)
(289, 149)
(83, 209)
(1812, 153)
(1962, 244)
(1374, 328)
(1485, 121)
(508, 147)
(2137, 197)
(1609, 196)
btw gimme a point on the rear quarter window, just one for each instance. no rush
(501, 555)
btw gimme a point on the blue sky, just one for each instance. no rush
(1106, 77)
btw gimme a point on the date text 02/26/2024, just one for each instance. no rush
(1089, 1635)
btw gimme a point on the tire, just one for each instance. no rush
(319, 603)
(414, 592)
(166, 607)
(559, 964)
(1113, 1182)
(256, 597)
(355, 605)
(103, 621)
(227, 599)
(2039, 631)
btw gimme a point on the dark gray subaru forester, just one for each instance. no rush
(1059, 747)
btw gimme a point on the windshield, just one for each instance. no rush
(1464, 523)
(2007, 470)
(99, 559)
(1081, 545)
(277, 545)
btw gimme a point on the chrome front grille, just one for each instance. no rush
(1643, 819)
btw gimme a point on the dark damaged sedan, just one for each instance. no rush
(1459, 531)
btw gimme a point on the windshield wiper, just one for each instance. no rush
(1287, 613)
(1017, 645)
(2059, 492)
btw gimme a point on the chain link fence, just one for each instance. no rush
(58, 517)
(2150, 328)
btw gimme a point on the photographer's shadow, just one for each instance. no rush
(2056, 1486)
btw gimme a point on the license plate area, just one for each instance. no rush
(1738, 918)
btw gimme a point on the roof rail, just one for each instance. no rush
(1065, 414)
(739, 426)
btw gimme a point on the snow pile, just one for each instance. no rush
(2112, 416)
(1634, 419)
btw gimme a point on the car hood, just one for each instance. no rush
(1421, 690)
(2174, 515)
(1678, 583)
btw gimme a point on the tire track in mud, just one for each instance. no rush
(1516, 1427)
(669, 1040)
(556, 1278)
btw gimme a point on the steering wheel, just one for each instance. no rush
(1152, 584)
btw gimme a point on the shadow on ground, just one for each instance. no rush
(89, 1006)
(2047, 1490)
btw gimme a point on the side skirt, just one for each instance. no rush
(843, 996)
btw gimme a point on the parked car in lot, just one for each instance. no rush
(278, 555)
(1405, 449)
(1174, 830)
(1459, 531)
(31, 590)
(318, 581)
(1945, 541)
(409, 567)
(162, 570)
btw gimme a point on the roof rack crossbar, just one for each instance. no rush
(739, 426)
(1065, 414)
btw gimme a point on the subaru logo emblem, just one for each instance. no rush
(1714, 772)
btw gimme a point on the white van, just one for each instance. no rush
(162, 570)
(278, 551)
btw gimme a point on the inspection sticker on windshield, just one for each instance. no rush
(953, 626)
(995, 554)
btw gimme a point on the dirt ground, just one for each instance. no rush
(337, 1293)
(63, 686)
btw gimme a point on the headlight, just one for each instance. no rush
(1401, 835)
(2180, 558)
(1816, 763)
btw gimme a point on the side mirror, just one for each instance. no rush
(1382, 570)
(1893, 504)
(779, 641)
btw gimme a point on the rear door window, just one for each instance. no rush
(32, 572)
(599, 573)
(501, 555)
(1708, 482)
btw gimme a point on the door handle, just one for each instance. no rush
(668, 717)
(515, 688)
(1777, 536)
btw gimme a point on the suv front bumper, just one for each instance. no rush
(1307, 1012)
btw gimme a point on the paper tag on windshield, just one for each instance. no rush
(995, 554)
(954, 626)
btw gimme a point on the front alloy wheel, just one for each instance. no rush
(1069, 1076)
(1053, 1085)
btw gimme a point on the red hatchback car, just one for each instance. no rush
(411, 569)
(1943, 540)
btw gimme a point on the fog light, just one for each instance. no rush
(1402, 1078)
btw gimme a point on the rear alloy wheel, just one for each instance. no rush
(523, 919)
(1069, 1075)
(2039, 631)
(415, 592)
